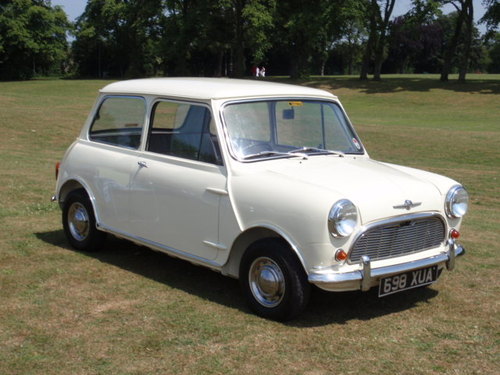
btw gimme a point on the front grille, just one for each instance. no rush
(401, 238)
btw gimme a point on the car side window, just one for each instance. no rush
(183, 130)
(119, 121)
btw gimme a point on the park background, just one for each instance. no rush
(138, 38)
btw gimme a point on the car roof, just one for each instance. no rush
(211, 88)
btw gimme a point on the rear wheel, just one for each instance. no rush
(79, 222)
(273, 280)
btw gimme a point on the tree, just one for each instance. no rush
(492, 15)
(464, 16)
(259, 18)
(373, 11)
(494, 53)
(337, 22)
(295, 34)
(416, 39)
(224, 37)
(140, 33)
(380, 45)
(252, 25)
(117, 38)
(349, 47)
(32, 38)
(414, 45)
(97, 49)
(468, 34)
(306, 33)
(376, 44)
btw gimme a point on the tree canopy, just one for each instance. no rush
(32, 38)
(135, 38)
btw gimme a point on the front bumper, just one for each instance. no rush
(368, 277)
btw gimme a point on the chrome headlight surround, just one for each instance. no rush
(457, 202)
(343, 218)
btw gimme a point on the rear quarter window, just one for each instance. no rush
(119, 121)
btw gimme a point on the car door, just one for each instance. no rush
(108, 158)
(179, 181)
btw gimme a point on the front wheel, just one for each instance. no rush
(273, 280)
(79, 222)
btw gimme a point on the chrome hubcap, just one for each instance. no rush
(78, 221)
(267, 282)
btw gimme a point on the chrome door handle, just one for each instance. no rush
(142, 164)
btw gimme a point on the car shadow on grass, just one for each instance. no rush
(390, 84)
(324, 308)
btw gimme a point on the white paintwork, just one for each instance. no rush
(198, 211)
(169, 196)
(210, 88)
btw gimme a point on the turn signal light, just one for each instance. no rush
(58, 164)
(454, 234)
(340, 255)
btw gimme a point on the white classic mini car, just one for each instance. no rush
(265, 182)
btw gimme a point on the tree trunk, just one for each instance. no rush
(350, 57)
(378, 66)
(365, 65)
(323, 63)
(450, 51)
(238, 45)
(464, 64)
(294, 67)
(220, 60)
(379, 50)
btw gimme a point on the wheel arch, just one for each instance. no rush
(74, 184)
(251, 236)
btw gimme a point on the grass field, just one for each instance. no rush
(128, 310)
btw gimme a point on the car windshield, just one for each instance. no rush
(287, 128)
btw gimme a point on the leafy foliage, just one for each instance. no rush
(492, 15)
(32, 38)
(136, 38)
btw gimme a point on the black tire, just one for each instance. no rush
(273, 280)
(79, 222)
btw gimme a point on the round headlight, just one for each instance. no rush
(343, 218)
(457, 202)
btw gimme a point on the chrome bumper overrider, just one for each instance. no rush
(368, 277)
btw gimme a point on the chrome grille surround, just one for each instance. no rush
(398, 236)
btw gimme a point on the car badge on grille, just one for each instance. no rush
(407, 205)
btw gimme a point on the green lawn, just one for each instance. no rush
(128, 310)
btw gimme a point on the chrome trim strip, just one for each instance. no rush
(164, 249)
(217, 191)
(217, 246)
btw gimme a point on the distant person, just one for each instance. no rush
(255, 71)
(262, 72)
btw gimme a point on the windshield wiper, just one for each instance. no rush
(301, 152)
(265, 153)
(316, 151)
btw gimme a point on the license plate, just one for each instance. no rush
(407, 280)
